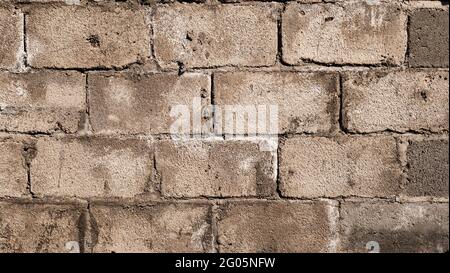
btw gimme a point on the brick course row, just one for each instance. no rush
(128, 103)
(243, 226)
(309, 167)
(198, 36)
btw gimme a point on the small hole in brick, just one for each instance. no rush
(424, 95)
(94, 40)
(181, 68)
(188, 37)
(203, 93)
(328, 19)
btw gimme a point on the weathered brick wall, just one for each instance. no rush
(86, 155)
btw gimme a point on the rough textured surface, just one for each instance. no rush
(11, 26)
(13, 173)
(87, 37)
(162, 227)
(427, 168)
(420, 227)
(428, 38)
(205, 36)
(92, 167)
(140, 103)
(306, 102)
(399, 101)
(217, 169)
(328, 167)
(274, 227)
(344, 33)
(149, 125)
(31, 228)
(42, 101)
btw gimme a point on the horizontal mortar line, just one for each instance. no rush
(211, 201)
(271, 69)
(236, 2)
(277, 198)
(224, 137)
(89, 69)
(422, 199)
(46, 200)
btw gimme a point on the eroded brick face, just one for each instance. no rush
(31, 228)
(132, 104)
(13, 179)
(215, 169)
(223, 35)
(398, 101)
(11, 40)
(275, 227)
(92, 167)
(87, 37)
(42, 102)
(306, 102)
(347, 33)
(327, 167)
(224, 126)
(396, 227)
(163, 227)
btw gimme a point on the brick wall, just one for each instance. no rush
(87, 159)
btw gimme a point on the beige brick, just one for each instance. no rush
(11, 41)
(215, 169)
(87, 37)
(342, 166)
(306, 102)
(395, 227)
(399, 101)
(93, 167)
(127, 103)
(32, 228)
(162, 227)
(13, 173)
(344, 33)
(218, 35)
(270, 226)
(42, 101)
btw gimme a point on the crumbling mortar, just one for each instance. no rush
(88, 124)
(29, 152)
(341, 118)
(215, 227)
(157, 177)
(224, 137)
(25, 37)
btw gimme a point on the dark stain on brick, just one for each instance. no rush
(428, 38)
(94, 231)
(29, 151)
(265, 186)
(428, 172)
(294, 124)
(420, 239)
(94, 40)
(82, 225)
(424, 95)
